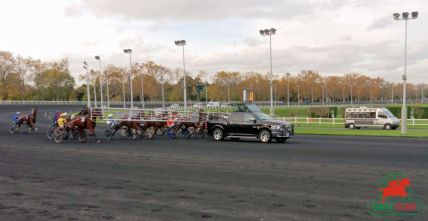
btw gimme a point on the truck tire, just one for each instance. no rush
(265, 136)
(218, 134)
(351, 126)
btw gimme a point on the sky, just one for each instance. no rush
(332, 37)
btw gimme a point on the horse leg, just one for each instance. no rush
(19, 126)
(154, 132)
(33, 125)
(92, 129)
(140, 132)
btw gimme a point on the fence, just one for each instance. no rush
(340, 121)
(264, 104)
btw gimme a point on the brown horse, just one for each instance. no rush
(195, 128)
(29, 120)
(82, 123)
(155, 125)
(133, 128)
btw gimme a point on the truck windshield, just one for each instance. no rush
(262, 116)
(388, 113)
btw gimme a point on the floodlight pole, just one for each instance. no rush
(129, 51)
(206, 92)
(405, 17)
(270, 32)
(101, 83)
(95, 88)
(142, 87)
(288, 89)
(182, 43)
(88, 92)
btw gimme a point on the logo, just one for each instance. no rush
(396, 198)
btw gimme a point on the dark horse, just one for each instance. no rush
(156, 125)
(29, 120)
(195, 128)
(133, 129)
(84, 121)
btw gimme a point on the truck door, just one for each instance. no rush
(235, 121)
(248, 125)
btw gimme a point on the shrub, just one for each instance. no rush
(319, 111)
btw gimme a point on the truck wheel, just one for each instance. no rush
(387, 127)
(265, 136)
(218, 134)
(351, 126)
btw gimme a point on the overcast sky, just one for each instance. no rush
(332, 37)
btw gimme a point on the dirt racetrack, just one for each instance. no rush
(308, 178)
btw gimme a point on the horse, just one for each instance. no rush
(193, 128)
(133, 128)
(83, 122)
(29, 120)
(156, 125)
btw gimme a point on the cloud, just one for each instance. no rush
(191, 10)
(381, 23)
(73, 9)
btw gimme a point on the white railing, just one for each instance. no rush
(338, 121)
(157, 114)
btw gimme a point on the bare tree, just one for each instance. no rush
(7, 64)
(24, 68)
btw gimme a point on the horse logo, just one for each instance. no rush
(395, 188)
(396, 198)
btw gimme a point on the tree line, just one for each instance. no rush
(26, 78)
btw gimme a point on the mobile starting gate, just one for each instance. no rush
(144, 115)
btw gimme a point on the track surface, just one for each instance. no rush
(309, 178)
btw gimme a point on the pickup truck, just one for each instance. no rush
(248, 122)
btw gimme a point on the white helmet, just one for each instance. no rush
(18, 113)
(110, 116)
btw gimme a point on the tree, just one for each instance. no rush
(55, 82)
(7, 65)
(163, 75)
(24, 67)
(115, 76)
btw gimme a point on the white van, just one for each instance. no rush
(213, 104)
(370, 117)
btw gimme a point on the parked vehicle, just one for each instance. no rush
(224, 105)
(247, 121)
(199, 105)
(174, 106)
(370, 117)
(213, 104)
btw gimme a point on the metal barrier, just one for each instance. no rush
(338, 121)
(121, 114)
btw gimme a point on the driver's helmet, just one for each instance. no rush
(18, 113)
(110, 116)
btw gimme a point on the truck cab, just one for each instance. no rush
(248, 121)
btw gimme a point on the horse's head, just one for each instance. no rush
(405, 182)
(33, 115)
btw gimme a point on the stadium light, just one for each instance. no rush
(270, 32)
(405, 17)
(101, 82)
(129, 51)
(88, 93)
(182, 43)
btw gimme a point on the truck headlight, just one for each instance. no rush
(276, 127)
